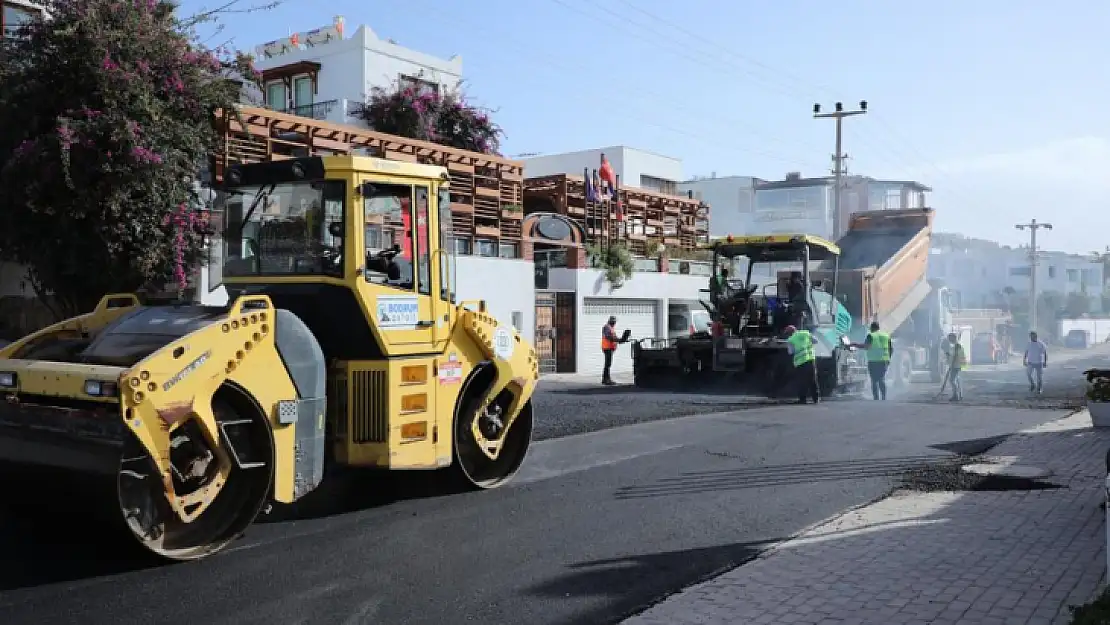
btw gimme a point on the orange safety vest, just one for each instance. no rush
(606, 342)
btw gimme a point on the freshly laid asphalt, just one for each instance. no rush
(598, 525)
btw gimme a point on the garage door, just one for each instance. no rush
(632, 314)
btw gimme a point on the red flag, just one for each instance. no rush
(607, 174)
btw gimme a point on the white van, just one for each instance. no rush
(684, 320)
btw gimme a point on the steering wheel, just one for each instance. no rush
(383, 262)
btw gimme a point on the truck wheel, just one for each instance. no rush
(901, 370)
(936, 366)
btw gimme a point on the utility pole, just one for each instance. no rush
(1033, 226)
(839, 157)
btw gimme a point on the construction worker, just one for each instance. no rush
(609, 342)
(880, 349)
(799, 343)
(1035, 360)
(957, 362)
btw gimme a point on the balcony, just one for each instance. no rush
(318, 111)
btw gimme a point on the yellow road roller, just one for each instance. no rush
(343, 345)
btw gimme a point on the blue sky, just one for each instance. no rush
(1000, 106)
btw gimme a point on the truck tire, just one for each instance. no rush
(936, 366)
(900, 373)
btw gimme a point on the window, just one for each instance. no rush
(1073, 275)
(449, 245)
(422, 228)
(486, 247)
(13, 17)
(507, 250)
(462, 246)
(652, 183)
(518, 320)
(1051, 271)
(288, 232)
(390, 203)
(419, 85)
(302, 92)
(276, 97)
(1020, 271)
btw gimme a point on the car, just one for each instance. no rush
(1077, 339)
(684, 321)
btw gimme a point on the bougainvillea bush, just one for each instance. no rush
(446, 119)
(107, 114)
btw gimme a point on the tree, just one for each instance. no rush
(446, 119)
(108, 113)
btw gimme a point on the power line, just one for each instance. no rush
(632, 88)
(780, 73)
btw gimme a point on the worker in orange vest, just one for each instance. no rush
(609, 341)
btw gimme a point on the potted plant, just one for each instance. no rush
(1098, 396)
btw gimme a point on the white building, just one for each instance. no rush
(643, 304)
(325, 74)
(732, 199)
(985, 276)
(634, 168)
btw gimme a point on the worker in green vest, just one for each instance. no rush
(800, 345)
(879, 348)
(957, 362)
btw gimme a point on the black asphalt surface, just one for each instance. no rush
(597, 527)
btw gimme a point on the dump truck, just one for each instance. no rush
(881, 276)
(746, 351)
(337, 351)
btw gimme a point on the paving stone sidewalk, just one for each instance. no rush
(980, 558)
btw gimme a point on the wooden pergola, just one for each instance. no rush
(677, 221)
(486, 190)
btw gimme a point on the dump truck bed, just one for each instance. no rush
(883, 261)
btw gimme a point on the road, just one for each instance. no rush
(599, 525)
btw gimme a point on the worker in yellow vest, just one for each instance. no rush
(800, 345)
(957, 362)
(880, 349)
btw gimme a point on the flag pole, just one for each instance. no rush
(585, 192)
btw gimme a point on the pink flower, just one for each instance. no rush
(146, 155)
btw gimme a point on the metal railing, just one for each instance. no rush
(317, 110)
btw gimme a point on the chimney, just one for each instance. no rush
(793, 175)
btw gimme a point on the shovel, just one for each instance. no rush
(944, 384)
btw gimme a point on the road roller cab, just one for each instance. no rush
(342, 345)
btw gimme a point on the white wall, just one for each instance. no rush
(351, 67)
(628, 163)
(731, 199)
(507, 285)
(658, 287)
